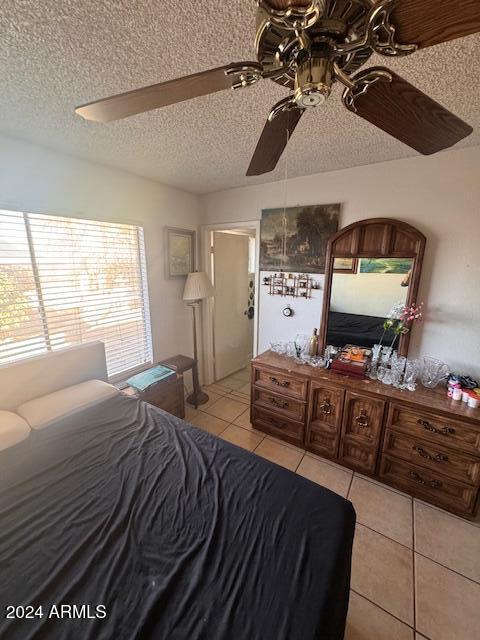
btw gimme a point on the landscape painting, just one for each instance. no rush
(295, 239)
(385, 265)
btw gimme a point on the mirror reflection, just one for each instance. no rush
(363, 292)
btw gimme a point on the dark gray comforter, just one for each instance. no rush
(161, 531)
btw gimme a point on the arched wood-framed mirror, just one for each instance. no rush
(370, 265)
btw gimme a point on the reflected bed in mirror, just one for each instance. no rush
(361, 300)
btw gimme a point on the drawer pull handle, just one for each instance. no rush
(278, 403)
(362, 420)
(434, 484)
(439, 457)
(326, 408)
(428, 427)
(276, 381)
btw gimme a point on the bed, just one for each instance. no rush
(351, 328)
(143, 526)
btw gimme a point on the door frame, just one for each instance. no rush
(208, 307)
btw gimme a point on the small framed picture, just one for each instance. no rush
(345, 265)
(179, 252)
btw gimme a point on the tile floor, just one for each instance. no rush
(415, 568)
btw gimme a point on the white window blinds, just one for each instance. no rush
(64, 281)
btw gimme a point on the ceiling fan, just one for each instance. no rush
(306, 46)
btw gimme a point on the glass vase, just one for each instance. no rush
(412, 371)
(397, 364)
(433, 372)
(376, 350)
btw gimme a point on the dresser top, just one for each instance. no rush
(428, 399)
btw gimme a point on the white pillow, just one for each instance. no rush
(13, 429)
(46, 410)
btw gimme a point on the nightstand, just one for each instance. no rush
(166, 394)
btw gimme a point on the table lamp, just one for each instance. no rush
(197, 287)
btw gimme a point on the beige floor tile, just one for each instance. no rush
(215, 388)
(243, 374)
(230, 383)
(242, 437)
(245, 389)
(385, 511)
(212, 397)
(419, 637)
(366, 621)
(447, 604)
(243, 420)
(239, 397)
(279, 453)
(209, 423)
(380, 483)
(287, 444)
(448, 540)
(330, 476)
(226, 409)
(190, 412)
(382, 571)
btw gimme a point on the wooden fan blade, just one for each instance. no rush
(273, 141)
(406, 113)
(161, 95)
(429, 22)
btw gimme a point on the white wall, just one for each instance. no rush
(440, 195)
(37, 180)
(369, 294)
(273, 324)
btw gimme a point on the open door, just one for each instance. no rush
(232, 322)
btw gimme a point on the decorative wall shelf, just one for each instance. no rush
(291, 285)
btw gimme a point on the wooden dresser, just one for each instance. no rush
(420, 442)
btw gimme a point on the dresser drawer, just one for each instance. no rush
(358, 457)
(280, 382)
(459, 466)
(278, 426)
(321, 442)
(437, 429)
(430, 485)
(363, 419)
(281, 404)
(326, 407)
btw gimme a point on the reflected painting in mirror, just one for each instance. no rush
(361, 299)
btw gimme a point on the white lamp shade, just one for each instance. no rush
(197, 287)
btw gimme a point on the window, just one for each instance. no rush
(64, 281)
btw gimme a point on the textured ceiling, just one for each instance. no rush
(56, 54)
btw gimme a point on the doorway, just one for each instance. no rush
(232, 314)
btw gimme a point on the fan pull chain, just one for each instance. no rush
(285, 193)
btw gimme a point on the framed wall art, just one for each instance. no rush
(179, 252)
(345, 265)
(295, 238)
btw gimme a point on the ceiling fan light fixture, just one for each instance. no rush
(313, 82)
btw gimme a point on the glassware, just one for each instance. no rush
(316, 361)
(386, 355)
(302, 341)
(397, 368)
(376, 350)
(412, 371)
(279, 346)
(434, 371)
(388, 376)
(290, 349)
(381, 372)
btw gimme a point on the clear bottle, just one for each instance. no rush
(313, 349)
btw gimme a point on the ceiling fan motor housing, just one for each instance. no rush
(313, 82)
